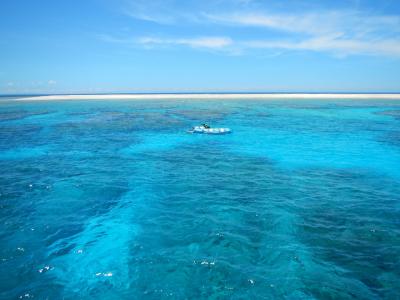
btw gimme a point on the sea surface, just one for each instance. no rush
(114, 200)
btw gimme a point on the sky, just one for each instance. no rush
(131, 46)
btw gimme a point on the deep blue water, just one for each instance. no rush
(113, 200)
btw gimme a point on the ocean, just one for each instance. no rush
(115, 200)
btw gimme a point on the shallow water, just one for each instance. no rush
(113, 200)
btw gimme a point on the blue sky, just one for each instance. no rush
(102, 46)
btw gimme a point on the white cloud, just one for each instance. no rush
(338, 46)
(316, 23)
(339, 32)
(198, 42)
(173, 12)
(290, 23)
(10, 84)
(161, 19)
(205, 42)
(156, 11)
(52, 82)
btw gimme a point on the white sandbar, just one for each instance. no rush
(209, 97)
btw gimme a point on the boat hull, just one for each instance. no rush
(203, 130)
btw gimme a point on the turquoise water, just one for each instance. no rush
(113, 200)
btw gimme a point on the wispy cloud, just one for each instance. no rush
(339, 32)
(156, 11)
(198, 42)
(336, 45)
(168, 12)
(287, 23)
(156, 18)
(219, 43)
(316, 23)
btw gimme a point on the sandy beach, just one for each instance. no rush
(208, 97)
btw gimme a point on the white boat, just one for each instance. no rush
(204, 130)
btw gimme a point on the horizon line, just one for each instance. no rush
(199, 93)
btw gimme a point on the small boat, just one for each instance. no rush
(204, 130)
